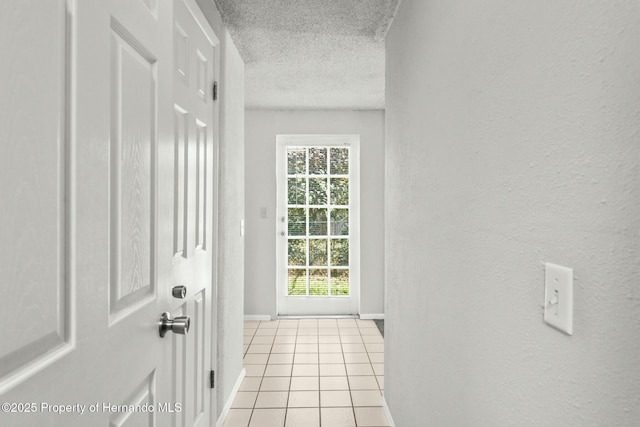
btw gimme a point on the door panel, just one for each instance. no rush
(202, 187)
(133, 141)
(143, 396)
(180, 155)
(34, 247)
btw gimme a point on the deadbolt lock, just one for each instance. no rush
(179, 292)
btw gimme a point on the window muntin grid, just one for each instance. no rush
(318, 215)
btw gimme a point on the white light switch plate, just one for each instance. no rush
(558, 297)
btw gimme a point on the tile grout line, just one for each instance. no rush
(318, 354)
(254, 403)
(370, 361)
(319, 378)
(353, 407)
(286, 408)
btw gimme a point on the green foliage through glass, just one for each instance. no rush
(318, 282)
(297, 252)
(297, 191)
(317, 222)
(297, 281)
(317, 191)
(318, 264)
(339, 161)
(297, 221)
(318, 255)
(340, 252)
(339, 222)
(317, 161)
(339, 191)
(339, 282)
(296, 161)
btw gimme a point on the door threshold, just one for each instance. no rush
(322, 316)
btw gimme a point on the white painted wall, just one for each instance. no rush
(261, 129)
(512, 140)
(231, 202)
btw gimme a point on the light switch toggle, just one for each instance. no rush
(553, 302)
(554, 298)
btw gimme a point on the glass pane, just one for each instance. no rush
(317, 161)
(339, 191)
(339, 161)
(317, 222)
(296, 161)
(339, 282)
(297, 221)
(339, 222)
(317, 191)
(297, 280)
(318, 282)
(340, 252)
(318, 252)
(297, 252)
(297, 191)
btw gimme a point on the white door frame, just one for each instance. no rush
(324, 305)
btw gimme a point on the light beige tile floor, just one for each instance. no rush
(311, 373)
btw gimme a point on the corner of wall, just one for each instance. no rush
(231, 214)
(224, 412)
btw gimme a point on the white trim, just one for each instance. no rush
(261, 317)
(328, 316)
(387, 412)
(227, 407)
(371, 316)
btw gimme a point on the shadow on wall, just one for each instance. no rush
(380, 325)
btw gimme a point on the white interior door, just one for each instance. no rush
(318, 227)
(87, 242)
(192, 153)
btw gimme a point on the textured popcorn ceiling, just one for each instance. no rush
(311, 54)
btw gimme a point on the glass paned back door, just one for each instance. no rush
(317, 220)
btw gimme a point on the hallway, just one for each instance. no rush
(311, 372)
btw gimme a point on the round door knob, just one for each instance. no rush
(179, 292)
(179, 325)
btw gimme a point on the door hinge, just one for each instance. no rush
(212, 379)
(214, 91)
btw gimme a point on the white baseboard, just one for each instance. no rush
(227, 407)
(372, 316)
(267, 317)
(385, 407)
(321, 316)
(262, 317)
